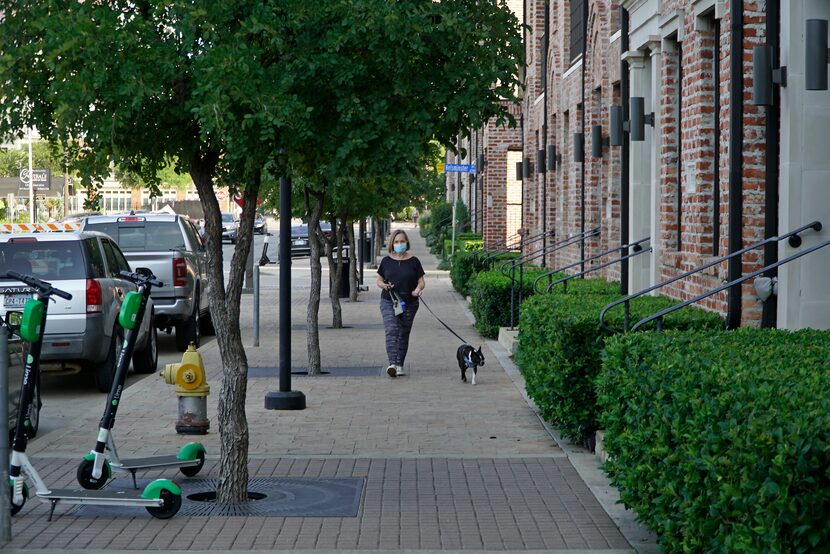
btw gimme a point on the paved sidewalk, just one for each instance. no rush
(447, 466)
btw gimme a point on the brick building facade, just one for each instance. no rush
(675, 59)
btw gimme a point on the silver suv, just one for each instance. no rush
(82, 333)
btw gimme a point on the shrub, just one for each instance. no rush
(560, 347)
(721, 441)
(424, 225)
(490, 299)
(463, 245)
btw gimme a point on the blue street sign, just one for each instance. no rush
(459, 168)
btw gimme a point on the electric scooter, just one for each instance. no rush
(162, 498)
(95, 470)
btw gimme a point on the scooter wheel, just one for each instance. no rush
(190, 471)
(17, 507)
(85, 478)
(171, 502)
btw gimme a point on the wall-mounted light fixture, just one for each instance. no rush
(527, 169)
(480, 163)
(540, 160)
(816, 55)
(551, 157)
(579, 147)
(764, 75)
(597, 141)
(639, 118)
(617, 127)
(519, 171)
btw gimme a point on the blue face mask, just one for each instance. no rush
(400, 248)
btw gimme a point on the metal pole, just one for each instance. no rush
(31, 182)
(285, 398)
(5, 498)
(256, 305)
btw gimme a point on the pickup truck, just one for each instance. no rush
(171, 247)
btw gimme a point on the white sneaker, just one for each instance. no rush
(392, 370)
(399, 372)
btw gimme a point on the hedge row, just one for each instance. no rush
(490, 299)
(466, 264)
(721, 440)
(561, 343)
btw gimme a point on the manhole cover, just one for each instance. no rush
(279, 497)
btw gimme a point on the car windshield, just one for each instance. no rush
(299, 231)
(50, 261)
(142, 236)
(227, 218)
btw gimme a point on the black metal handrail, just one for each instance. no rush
(565, 279)
(793, 238)
(517, 244)
(659, 315)
(522, 260)
(635, 245)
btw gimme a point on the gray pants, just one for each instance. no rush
(397, 329)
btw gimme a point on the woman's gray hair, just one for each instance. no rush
(390, 246)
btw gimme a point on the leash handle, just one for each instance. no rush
(441, 322)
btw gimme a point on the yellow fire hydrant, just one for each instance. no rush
(192, 390)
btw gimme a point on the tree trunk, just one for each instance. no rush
(314, 208)
(353, 284)
(335, 254)
(224, 309)
(378, 245)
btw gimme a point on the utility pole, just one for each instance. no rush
(31, 183)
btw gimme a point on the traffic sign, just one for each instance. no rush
(460, 168)
(439, 168)
(221, 194)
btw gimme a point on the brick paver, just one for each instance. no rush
(448, 465)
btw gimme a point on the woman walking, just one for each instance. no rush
(401, 277)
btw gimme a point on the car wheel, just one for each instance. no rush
(105, 370)
(206, 325)
(147, 359)
(189, 331)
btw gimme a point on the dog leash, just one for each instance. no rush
(441, 322)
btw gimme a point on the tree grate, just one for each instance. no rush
(283, 497)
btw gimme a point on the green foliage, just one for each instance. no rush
(463, 245)
(721, 440)
(44, 156)
(466, 264)
(490, 298)
(561, 342)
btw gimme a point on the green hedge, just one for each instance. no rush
(466, 264)
(561, 343)
(721, 441)
(463, 245)
(490, 299)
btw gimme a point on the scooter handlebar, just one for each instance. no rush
(45, 288)
(141, 279)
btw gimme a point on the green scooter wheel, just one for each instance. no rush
(85, 478)
(171, 502)
(17, 507)
(190, 471)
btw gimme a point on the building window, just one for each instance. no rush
(577, 27)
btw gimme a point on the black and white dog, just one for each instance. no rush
(469, 358)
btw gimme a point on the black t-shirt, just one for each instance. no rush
(404, 274)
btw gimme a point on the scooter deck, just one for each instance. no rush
(153, 462)
(100, 497)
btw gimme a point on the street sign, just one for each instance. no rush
(42, 179)
(460, 168)
(221, 195)
(439, 168)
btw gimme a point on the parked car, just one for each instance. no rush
(16, 354)
(260, 225)
(82, 332)
(230, 227)
(300, 245)
(170, 247)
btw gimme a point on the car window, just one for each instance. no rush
(115, 264)
(49, 261)
(96, 259)
(123, 264)
(190, 232)
(142, 236)
(227, 218)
